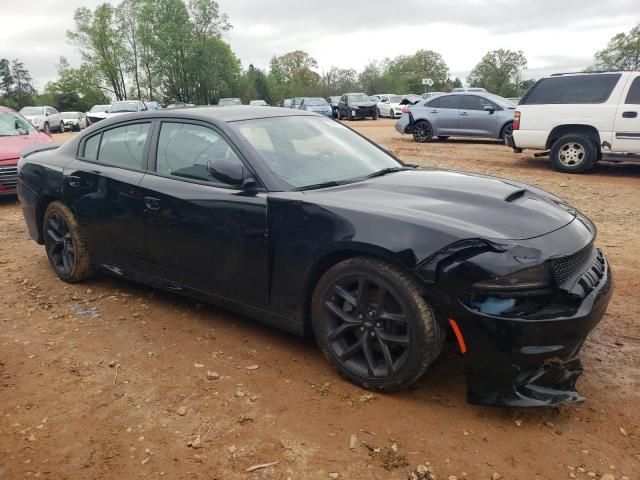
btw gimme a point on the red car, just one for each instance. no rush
(16, 135)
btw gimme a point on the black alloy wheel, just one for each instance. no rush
(59, 243)
(422, 132)
(507, 130)
(373, 325)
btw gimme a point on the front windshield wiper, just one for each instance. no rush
(386, 171)
(316, 186)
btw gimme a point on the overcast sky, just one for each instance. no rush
(555, 35)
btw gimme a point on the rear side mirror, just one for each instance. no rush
(489, 108)
(230, 172)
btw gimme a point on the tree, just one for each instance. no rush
(499, 72)
(410, 70)
(337, 81)
(16, 87)
(372, 79)
(77, 89)
(621, 53)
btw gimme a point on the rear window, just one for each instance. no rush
(571, 89)
(633, 97)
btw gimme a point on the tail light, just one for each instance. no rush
(406, 110)
(516, 121)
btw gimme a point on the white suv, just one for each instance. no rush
(578, 117)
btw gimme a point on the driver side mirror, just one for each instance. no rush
(489, 108)
(230, 172)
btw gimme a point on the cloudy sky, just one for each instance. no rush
(555, 35)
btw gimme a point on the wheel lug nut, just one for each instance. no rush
(378, 325)
(373, 334)
(362, 329)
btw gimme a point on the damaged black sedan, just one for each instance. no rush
(296, 220)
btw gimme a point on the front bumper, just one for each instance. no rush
(525, 362)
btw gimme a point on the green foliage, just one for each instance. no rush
(621, 53)
(77, 89)
(16, 84)
(407, 71)
(499, 72)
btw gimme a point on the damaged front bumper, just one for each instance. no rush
(530, 362)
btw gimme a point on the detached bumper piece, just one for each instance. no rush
(531, 360)
(510, 142)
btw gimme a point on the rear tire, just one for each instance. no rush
(65, 244)
(45, 128)
(372, 323)
(392, 114)
(61, 127)
(574, 153)
(422, 131)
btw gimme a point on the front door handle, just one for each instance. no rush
(464, 114)
(434, 111)
(629, 114)
(152, 203)
(75, 181)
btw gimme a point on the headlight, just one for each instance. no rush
(529, 278)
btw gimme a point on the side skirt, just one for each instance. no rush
(283, 323)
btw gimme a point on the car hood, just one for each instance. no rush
(13, 146)
(468, 205)
(363, 104)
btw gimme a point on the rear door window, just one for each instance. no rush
(633, 97)
(450, 101)
(475, 102)
(121, 146)
(571, 89)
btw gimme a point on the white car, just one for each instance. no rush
(74, 121)
(46, 119)
(97, 113)
(580, 118)
(126, 106)
(389, 105)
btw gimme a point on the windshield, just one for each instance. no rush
(32, 111)
(395, 98)
(305, 151)
(12, 124)
(99, 108)
(229, 101)
(124, 107)
(69, 115)
(359, 97)
(315, 102)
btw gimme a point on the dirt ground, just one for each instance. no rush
(108, 379)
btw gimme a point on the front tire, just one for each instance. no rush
(373, 324)
(45, 128)
(65, 245)
(392, 114)
(422, 131)
(61, 127)
(573, 153)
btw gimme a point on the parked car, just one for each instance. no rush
(432, 94)
(515, 100)
(460, 115)
(469, 89)
(411, 99)
(74, 121)
(17, 134)
(357, 105)
(296, 103)
(389, 105)
(179, 105)
(258, 103)
(46, 119)
(226, 102)
(126, 106)
(374, 98)
(287, 103)
(334, 102)
(153, 105)
(317, 105)
(580, 118)
(97, 113)
(298, 221)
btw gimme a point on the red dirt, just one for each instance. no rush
(64, 414)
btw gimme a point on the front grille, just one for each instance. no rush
(8, 177)
(582, 270)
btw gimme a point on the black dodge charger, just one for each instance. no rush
(296, 220)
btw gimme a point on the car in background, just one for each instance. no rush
(374, 98)
(296, 103)
(258, 103)
(579, 119)
(389, 105)
(179, 105)
(458, 114)
(411, 99)
(97, 113)
(469, 89)
(334, 101)
(17, 134)
(227, 102)
(432, 94)
(357, 105)
(74, 121)
(46, 119)
(515, 100)
(298, 221)
(153, 105)
(317, 105)
(126, 106)
(287, 103)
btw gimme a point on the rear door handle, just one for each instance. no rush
(152, 203)
(464, 114)
(434, 111)
(629, 114)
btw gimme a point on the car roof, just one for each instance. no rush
(216, 113)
